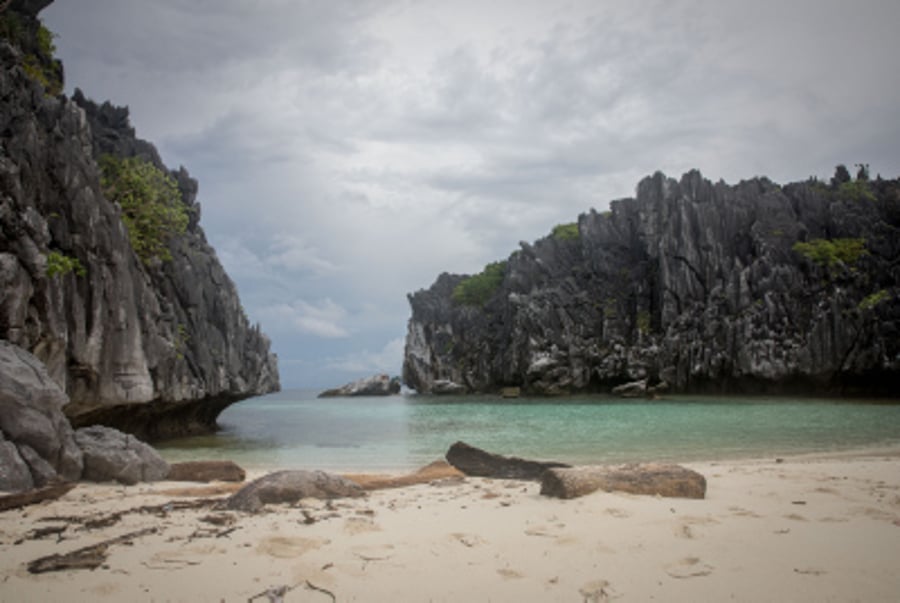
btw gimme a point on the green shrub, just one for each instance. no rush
(873, 300)
(59, 263)
(476, 290)
(643, 322)
(151, 204)
(829, 252)
(566, 232)
(858, 190)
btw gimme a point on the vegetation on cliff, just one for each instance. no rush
(477, 289)
(152, 209)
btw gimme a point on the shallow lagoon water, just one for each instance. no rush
(295, 429)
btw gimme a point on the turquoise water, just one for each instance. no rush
(294, 429)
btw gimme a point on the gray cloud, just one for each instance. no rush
(349, 151)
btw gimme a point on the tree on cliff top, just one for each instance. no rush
(151, 204)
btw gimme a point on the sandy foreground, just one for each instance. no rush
(805, 529)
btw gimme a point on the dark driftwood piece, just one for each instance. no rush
(477, 462)
(89, 557)
(104, 521)
(30, 497)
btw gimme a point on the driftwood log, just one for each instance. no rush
(30, 497)
(89, 557)
(480, 463)
(206, 471)
(654, 479)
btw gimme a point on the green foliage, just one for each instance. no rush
(858, 190)
(643, 322)
(476, 290)
(38, 49)
(182, 337)
(59, 263)
(829, 252)
(45, 41)
(873, 300)
(566, 232)
(151, 204)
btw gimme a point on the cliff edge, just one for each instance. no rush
(692, 286)
(156, 347)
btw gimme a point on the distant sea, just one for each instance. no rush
(294, 429)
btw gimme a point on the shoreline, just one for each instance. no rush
(807, 528)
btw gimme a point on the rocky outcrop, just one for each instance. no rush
(651, 479)
(691, 285)
(480, 463)
(153, 348)
(378, 385)
(37, 444)
(110, 455)
(290, 487)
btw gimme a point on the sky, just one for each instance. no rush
(348, 152)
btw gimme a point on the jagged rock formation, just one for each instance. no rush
(156, 349)
(691, 284)
(377, 385)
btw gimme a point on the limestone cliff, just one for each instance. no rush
(699, 286)
(154, 348)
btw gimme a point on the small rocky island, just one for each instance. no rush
(377, 385)
(691, 286)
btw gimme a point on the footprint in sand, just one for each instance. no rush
(286, 548)
(618, 513)
(689, 567)
(596, 591)
(360, 525)
(469, 540)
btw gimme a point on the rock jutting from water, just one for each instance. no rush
(153, 346)
(691, 286)
(377, 385)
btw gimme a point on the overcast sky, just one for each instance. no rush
(350, 151)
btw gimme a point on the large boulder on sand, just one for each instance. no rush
(35, 432)
(654, 479)
(480, 463)
(110, 455)
(289, 487)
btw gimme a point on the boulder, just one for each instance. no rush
(653, 479)
(447, 388)
(14, 473)
(378, 385)
(32, 419)
(289, 487)
(206, 471)
(480, 463)
(634, 389)
(110, 455)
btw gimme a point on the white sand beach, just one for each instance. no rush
(812, 528)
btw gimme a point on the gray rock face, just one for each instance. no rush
(692, 284)
(110, 455)
(155, 349)
(35, 433)
(289, 487)
(378, 385)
